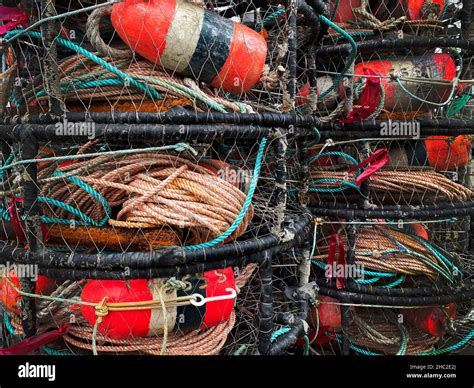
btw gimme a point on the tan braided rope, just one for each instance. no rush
(153, 190)
(433, 185)
(373, 242)
(382, 329)
(197, 342)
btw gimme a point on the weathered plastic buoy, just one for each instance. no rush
(192, 41)
(327, 314)
(11, 298)
(322, 84)
(344, 10)
(412, 9)
(150, 322)
(420, 231)
(435, 66)
(440, 152)
(383, 10)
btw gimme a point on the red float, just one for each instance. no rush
(150, 322)
(192, 41)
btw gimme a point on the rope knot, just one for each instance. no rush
(182, 147)
(101, 310)
(177, 284)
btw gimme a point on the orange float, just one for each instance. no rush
(192, 41)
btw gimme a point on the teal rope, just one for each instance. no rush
(334, 10)
(350, 60)
(377, 275)
(403, 347)
(76, 212)
(318, 137)
(306, 345)
(247, 202)
(333, 180)
(435, 352)
(435, 252)
(54, 352)
(333, 153)
(68, 208)
(150, 92)
(329, 189)
(7, 162)
(395, 283)
(421, 257)
(269, 18)
(445, 8)
(278, 333)
(355, 34)
(365, 352)
(4, 214)
(451, 348)
(93, 193)
(86, 220)
(367, 281)
(8, 324)
(85, 85)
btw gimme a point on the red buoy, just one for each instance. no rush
(10, 297)
(445, 152)
(435, 66)
(412, 9)
(150, 322)
(431, 320)
(345, 10)
(192, 41)
(383, 10)
(440, 152)
(327, 314)
(420, 231)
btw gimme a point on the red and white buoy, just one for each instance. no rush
(151, 322)
(438, 66)
(192, 41)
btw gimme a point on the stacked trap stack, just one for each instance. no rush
(182, 174)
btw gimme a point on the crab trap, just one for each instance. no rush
(190, 177)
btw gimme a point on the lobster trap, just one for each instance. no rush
(255, 177)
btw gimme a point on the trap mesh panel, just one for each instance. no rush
(237, 177)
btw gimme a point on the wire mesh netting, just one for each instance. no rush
(190, 177)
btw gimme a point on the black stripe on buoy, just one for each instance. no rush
(190, 317)
(416, 153)
(212, 49)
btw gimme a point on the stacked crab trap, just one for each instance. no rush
(188, 177)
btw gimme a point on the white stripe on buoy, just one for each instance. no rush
(185, 27)
(157, 322)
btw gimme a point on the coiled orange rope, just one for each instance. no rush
(151, 190)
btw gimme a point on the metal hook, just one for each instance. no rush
(200, 300)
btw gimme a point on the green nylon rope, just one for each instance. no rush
(278, 333)
(269, 18)
(349, 62)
